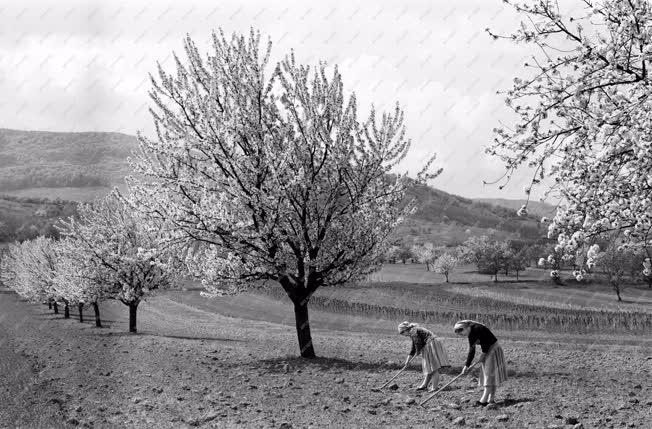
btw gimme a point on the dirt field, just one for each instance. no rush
(231, 363)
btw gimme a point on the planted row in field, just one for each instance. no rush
(508, 317)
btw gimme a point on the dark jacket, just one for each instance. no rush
(479, 334)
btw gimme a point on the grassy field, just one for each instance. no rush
(533, 287)
(67, 193)
(531, 304)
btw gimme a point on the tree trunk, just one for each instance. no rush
(618, 293)
(98, 322)
(133, 308)
(516, 275)
(496, 277)
(49, 305)
(56, 308)
(446, 274)
(303, 329)
(66, 311)
(80, 307)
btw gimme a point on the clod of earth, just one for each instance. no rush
(453, 406)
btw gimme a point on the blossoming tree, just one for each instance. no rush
(121, 254)
(424, 253)
(616, 262)
(489, 255)
(270, 177)
(30, 268)
(583, 117)
(445, 264)
(78, 279)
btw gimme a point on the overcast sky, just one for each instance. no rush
(83, 65)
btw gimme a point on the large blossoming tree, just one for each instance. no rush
(583, 117)
(269, 176)
(120, 254)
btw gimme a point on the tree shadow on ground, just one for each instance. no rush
(322, 363)
(184, 337)
(627, 301)
(508, 402)
(330, 363)
(88, 320)
(163, 335)
(536, 374)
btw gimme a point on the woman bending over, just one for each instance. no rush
(433, 354)
(493, 371)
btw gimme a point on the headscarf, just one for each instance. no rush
(464, 324)
(404, 326)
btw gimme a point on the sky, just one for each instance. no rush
(83, 66)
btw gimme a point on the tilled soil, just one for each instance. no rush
(191, 367)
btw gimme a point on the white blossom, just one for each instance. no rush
(583, 118)
(257, 176)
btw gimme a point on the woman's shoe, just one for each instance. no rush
(480, 404)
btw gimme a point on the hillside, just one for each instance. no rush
(82, 166)
(27, 218)
(535, 208)
(35, 159)
(450, 219)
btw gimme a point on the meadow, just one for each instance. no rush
(408, 291)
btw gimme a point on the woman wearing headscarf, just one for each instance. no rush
(432, 352)
(493, 370)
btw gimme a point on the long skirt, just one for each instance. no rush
(433, 356)
(493, 370)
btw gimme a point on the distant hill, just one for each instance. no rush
(450, 219)
(27, 218)
(42, 159)
(536, 208)
(81, 166)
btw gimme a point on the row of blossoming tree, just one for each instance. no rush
(104, 253)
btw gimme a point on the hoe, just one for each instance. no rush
(396, 375)
(444, 386)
